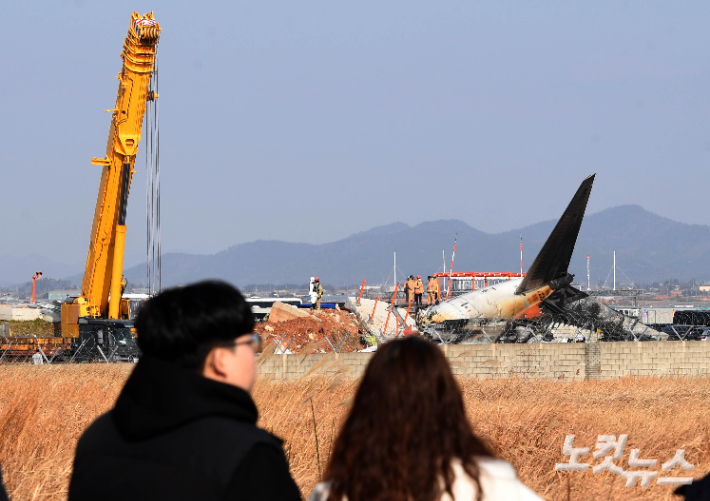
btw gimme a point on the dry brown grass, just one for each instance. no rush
(37, 328)
(44, 409)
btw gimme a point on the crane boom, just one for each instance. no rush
(102, 285)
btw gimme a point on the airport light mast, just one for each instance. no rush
(35, 277)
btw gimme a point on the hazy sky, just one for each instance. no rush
(308, 121)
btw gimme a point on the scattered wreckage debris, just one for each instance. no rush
(590, 313)
(572, 326)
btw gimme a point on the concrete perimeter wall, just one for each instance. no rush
(573, 361)
(8, 313)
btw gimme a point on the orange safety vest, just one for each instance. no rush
(431, 286)
(418, 287)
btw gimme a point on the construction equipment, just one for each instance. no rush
(100, 309)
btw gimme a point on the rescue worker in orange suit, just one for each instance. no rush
(319, 291)
(409, 288)
(432, 290)
(418, 291)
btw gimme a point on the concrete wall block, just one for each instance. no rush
(554, 361)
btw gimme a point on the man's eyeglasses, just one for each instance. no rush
(252, 340)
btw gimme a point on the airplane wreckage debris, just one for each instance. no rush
(583, 324)
(542, 306)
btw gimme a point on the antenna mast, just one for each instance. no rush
(451, 270)
(395, 268)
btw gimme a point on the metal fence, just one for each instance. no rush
(386, 296)
(577, 326)
(281, 344)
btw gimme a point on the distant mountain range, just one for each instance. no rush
(649, 248)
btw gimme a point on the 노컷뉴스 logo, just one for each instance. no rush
(606, 444)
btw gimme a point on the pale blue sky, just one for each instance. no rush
(308, 121)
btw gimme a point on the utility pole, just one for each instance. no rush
(443, 257)
(395, 269)
(588, 288)
(614, 270)
(521, 255)
(451, 268)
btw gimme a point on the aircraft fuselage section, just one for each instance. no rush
(496, 301)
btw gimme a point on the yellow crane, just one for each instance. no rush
(100, 301)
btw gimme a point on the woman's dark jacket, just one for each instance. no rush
(179, 436)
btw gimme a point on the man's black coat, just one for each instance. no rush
(699, 490)
(177, 435)
(3, 493)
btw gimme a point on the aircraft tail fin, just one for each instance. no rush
(553, 259)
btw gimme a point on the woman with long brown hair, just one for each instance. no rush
(407, 437)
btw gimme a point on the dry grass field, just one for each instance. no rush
(44, 409)
(37, 328)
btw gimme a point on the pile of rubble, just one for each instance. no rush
(293, 330)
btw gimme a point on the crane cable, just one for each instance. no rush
(157, 174)
(152, 163)
(148, 194)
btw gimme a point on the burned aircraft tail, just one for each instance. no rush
(554, 257)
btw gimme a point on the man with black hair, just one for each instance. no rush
(184, 425)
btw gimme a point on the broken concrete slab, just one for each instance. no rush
(374, 327)
(281, 312)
